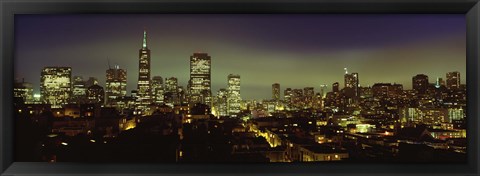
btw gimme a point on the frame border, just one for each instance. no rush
(9, 8)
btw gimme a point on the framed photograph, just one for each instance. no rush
(239, 88)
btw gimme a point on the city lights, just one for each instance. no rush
(203, 113)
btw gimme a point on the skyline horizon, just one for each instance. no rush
(262, 54)
(214, 92)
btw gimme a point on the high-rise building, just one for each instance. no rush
(157, 89)
(116, 85)
(233, 98)
(200, 78)
(23, 90)
(453, 80)
(96, 94)
(297, 98)
(420, 83)
(221, 103)
(171, 91)
(144, 87)
(351, 84)
(79, 91)
(56, 86)
(308, 96)
(276, 91)
(287, 93)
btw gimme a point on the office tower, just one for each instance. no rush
(96, 94)
(171, 91)
(453, 80)
(420, 83)
(79, 91)
(200, 78)
(221, 102)
(308, 96)
(171, 84)
(56, 86)
(143, 87)
(23, 90)
(336, 87)
(116, 85)
(287, 93)
(276, 91)
(297, 98)
(157, 89)
(351, 84)
(233, 98)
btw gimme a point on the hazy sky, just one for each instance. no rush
(296, 51)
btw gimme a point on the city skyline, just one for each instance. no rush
(279, 63)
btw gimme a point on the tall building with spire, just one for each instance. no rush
(144, 97)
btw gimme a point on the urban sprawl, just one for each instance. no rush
(77, 120)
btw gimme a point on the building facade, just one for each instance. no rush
(144, 86)
(453, 80)
(157, 89)
(234, 98)
(56, 86)
(116, 85)
(420, 83)
(200, 79)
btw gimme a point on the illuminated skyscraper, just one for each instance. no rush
(56, 86)
(200, 78)
(308, 96)
(420, 83)
(79, 90)
(116, 85)
(144, 87)
(221, 103)
(157, 89)
(287, 93)
(351, 84)
(297, 98)
(23, 90)
(453, 80)
(233, 98)
(171, 91)
(276, 91)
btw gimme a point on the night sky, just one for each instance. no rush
(296, 51)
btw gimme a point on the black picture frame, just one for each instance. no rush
(9, 8)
